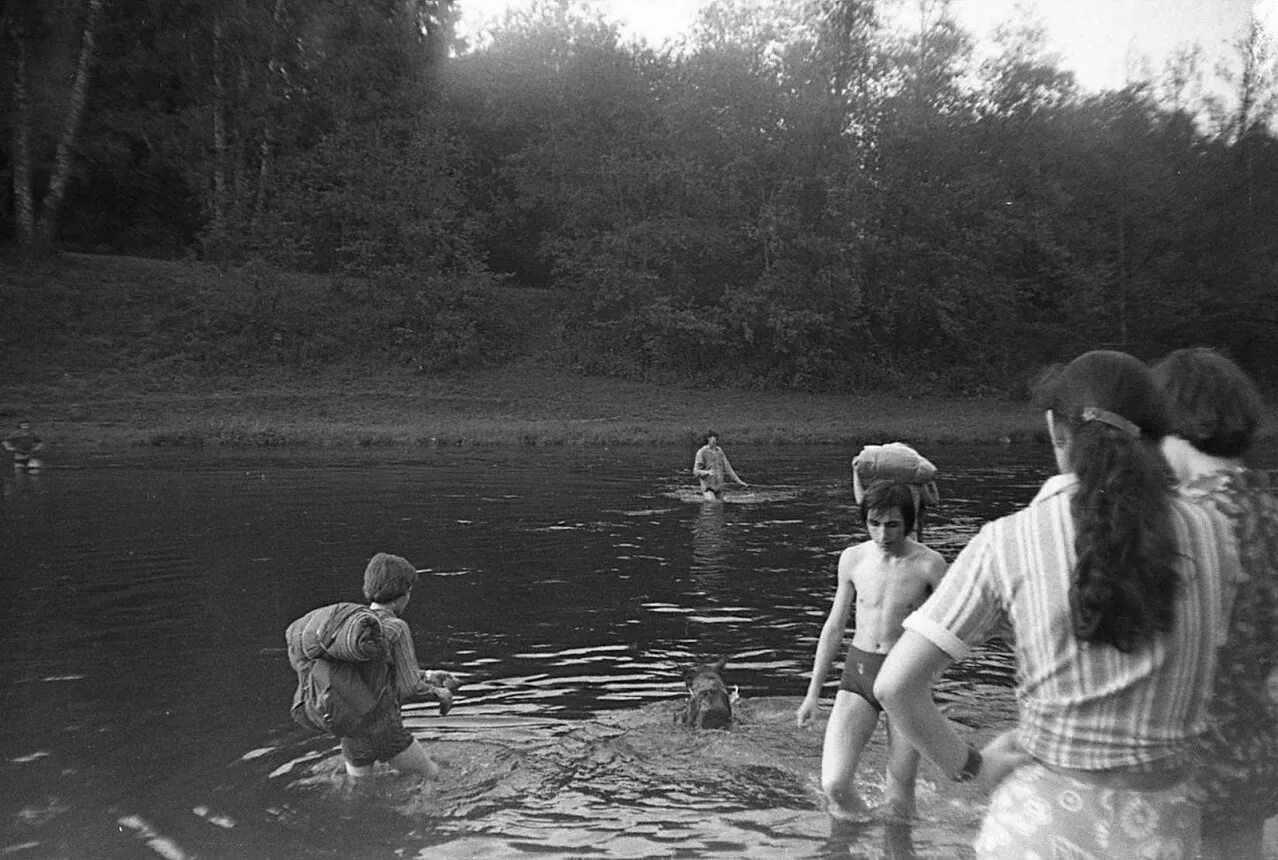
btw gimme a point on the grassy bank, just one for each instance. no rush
(111, 352)
(514, 405)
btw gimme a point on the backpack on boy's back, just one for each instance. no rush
(340, 660)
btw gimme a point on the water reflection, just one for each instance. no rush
(23, 482)
(709, 548)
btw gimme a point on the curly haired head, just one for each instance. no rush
(1214, 405)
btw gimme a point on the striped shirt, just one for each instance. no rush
(410, 679)
(1083, 706)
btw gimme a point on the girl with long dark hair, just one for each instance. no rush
(1112, 587)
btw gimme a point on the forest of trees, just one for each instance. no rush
(797, 196)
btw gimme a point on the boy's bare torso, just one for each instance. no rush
(888, 588)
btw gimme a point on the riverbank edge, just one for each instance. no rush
(525, 406)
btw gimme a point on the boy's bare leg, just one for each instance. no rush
(902, 769)
(852, 722)
(414, 759)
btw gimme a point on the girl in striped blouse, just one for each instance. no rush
(1113, 587)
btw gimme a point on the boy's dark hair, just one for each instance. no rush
(388, 577)
(1214, 405)
(705, 439)
(886, 496)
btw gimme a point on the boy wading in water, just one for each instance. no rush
(711, 467)
(388, 585)
(888, 576)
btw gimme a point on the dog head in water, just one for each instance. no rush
(709, 702)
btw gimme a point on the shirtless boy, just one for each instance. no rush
(888, 576)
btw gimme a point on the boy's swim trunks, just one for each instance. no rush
(859, 671)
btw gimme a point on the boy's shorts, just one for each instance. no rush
(859, 671)
(380, 738)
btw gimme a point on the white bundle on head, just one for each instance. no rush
(898, 463)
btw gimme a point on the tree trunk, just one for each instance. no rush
(52, 205)
(267, 143)
(219, 132)
(1122, 277)
(25, 208)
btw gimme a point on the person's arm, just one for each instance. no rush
(831, 638)
(962, 611)
(935, 571)
(411, 681)
(904, 687)
(699, 464)
(728, 471)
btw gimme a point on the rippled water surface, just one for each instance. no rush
(146, 691)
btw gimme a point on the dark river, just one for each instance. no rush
(146, 688)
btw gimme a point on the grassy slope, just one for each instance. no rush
(94, 364)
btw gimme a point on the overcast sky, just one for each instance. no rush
(1101, 41)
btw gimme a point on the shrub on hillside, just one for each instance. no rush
(85, 312)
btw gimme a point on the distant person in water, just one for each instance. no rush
(1216, 412)
(24, 444)
(885, 578)
(711, 466)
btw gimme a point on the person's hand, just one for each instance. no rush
(742, 483)
(803, 716)
(1000, 757)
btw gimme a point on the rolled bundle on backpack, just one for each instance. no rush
(339, 631)
(896, 462)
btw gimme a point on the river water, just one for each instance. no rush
(146, 691)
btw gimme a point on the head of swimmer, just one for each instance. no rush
(887, 509)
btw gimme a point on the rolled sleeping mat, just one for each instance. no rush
(897, 463)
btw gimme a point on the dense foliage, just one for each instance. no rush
(800, 195)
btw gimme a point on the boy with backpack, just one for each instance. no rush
(356, 666)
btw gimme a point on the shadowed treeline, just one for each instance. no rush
(799, 196)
